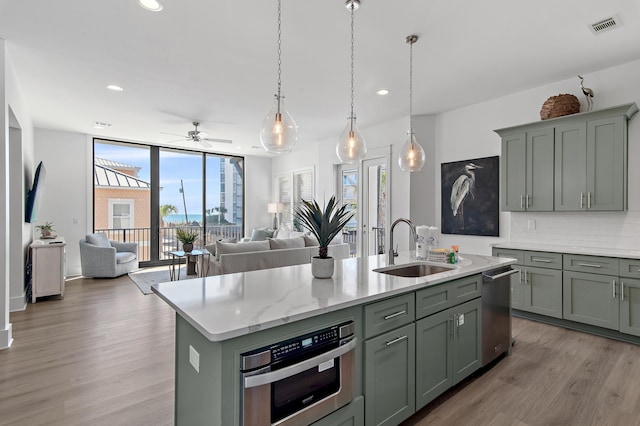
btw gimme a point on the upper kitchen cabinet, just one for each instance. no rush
(576, 162)
(527, 170)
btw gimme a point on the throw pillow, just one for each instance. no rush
(310, 241)
(100, 239)
(281, 234)
(228, 248)
(277, 244)
(337, 240)
(261, 234)
(211, 248)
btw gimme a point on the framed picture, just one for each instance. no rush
(471, 197)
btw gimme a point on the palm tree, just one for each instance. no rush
(166, 210)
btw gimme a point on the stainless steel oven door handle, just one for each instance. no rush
(292, 370)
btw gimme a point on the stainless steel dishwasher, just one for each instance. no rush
(496, 313)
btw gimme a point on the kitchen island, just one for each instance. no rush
(218, 318)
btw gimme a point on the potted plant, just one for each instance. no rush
(46, 230)
(325, 224)
(187, 237)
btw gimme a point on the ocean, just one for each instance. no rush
(179, 218)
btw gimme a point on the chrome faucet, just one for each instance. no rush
(393, 253)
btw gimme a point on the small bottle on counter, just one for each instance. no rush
(452, 256)
(455, 251)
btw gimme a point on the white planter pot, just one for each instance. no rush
(322, 268)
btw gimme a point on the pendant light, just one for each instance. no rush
(411, 155)
(279, 132)
(351, 147)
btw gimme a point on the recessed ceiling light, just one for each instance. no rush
(152, 5)
(115, 88)
(382, 92)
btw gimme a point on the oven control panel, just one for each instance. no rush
(291, 347)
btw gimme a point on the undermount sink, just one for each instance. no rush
(413, 270)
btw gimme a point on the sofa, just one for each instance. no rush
(104, 258)
(229, 257)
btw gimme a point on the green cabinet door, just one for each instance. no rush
(606, 164)
(467, 339)
(389, 379)
(513, 172)
(630, 306)
(517, 288)
(539, 182)
(591, 299)
(434, 338)
(570, 167)
(349, 415)
(542, 291)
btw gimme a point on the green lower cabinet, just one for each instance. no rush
(349, 415)
(448, 349)
(542, 291)
(630, 306)
(591, 299)
(389, 379)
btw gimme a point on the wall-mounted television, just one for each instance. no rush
(35, 194)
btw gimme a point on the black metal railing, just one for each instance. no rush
(168, 238)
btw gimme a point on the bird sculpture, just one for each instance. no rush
(588, 93)
(463, 186)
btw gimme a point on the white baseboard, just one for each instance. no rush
(6, 338)
(18, 303)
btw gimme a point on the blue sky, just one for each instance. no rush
(174, 165)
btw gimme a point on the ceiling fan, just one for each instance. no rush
(196, 135)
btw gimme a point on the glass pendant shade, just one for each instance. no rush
(351, 147)
(279, 132)
(411, 156)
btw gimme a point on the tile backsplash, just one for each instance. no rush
(619, 230)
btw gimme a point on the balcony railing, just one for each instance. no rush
(168, 239)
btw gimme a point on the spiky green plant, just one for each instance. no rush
(186, 236)
(323, 224)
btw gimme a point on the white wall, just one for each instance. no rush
(468, 133)
(15, 235)
(66, 199)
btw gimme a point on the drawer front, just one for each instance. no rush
(466, 289)
(515, 254)
(543, 259)
(388, 314)
(433, 299)
(630, 268)
(591, 264)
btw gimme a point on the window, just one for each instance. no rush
(290, 189)
(144, 193)
(121, 214)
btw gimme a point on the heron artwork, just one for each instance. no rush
(588, 93)
(462, 188)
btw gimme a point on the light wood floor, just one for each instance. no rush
(104, 356)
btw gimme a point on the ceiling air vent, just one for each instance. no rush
(605, 25)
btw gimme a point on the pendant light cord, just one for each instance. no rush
(411, 90)
(279, 52)
(351, 117)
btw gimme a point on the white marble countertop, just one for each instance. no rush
(227, 306)
(558, 248)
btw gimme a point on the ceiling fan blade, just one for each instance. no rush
(217, 140)
(204, 143)
(173, 134)
(178, 140)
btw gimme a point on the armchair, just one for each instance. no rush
(104, 258)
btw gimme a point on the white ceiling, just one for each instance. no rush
(215, 61)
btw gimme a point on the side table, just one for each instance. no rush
(201, 257)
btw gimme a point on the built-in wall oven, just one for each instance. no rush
(299, 380)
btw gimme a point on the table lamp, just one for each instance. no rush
(275, 208)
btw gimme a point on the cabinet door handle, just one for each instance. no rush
(451, 330)
(396, 340)
(590, 265)
(520, 277)
(613, 288)
(521, 201)
(525, 277)
(396, 314)
(589, 199)
(582, 200)
(539, 259)
(622, 290)
(527, 199)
